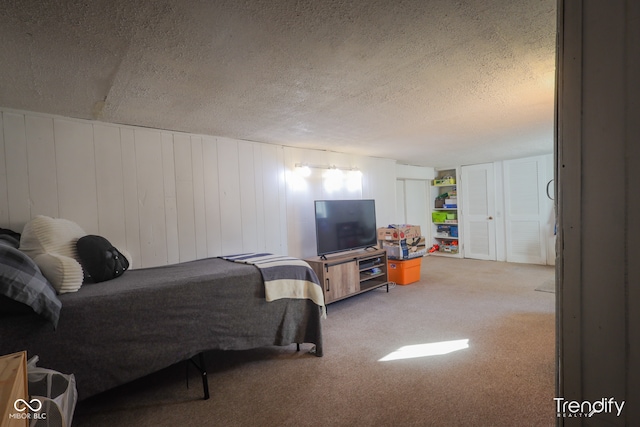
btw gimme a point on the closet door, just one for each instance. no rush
(478, 211)
(526, 210)
(416, 202)
(412, 206)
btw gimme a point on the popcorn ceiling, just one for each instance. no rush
(435, 83)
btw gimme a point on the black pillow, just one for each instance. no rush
(7, 232)
(100, 259)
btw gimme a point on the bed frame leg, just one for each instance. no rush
(203, 372)
(297, 346)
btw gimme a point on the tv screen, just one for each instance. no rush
(342, 225)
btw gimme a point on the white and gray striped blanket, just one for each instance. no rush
(285, 277)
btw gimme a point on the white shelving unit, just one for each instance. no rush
(446, 230)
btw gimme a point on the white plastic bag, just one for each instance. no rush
(55, 391)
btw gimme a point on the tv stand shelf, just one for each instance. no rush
(349, 274)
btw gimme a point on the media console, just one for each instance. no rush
(351, 273)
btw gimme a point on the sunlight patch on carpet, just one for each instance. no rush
(425, 350)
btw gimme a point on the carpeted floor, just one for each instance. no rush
(501, 374)
(547, 286)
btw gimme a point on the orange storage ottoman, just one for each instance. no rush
(404, 272)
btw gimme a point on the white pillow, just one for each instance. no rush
(64, 273)
(51, 243)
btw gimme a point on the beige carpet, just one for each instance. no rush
(547, 286)
(505, 376)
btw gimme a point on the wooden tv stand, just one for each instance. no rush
(348, 274)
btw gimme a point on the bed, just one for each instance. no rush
(113, 332)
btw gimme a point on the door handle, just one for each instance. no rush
(490, 217)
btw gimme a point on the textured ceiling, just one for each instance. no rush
(437, 83)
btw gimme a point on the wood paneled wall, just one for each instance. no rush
(164, 196)
(168, 196)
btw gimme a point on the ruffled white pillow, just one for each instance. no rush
(51, 243)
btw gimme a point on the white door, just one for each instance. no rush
(526, 210)
(478, 211)
(412, 203)
(417, 213)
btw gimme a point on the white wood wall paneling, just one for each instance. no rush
(109, 185)
(75, 161)
(4, 199)
(272, 197)
(379, 183)
(41, 155)
(300, 194)
(414, 172)
(17, 170)
(212, 196)
(301, 228)
(185, 197)
(127, 183)
(131, 205)
(170, 199)
(401, 214)
(248, 207)
(230, 204)
(153, 239)
(260, 189)
(198, 192)
(280, 233)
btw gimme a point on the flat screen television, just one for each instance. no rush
(343, 225)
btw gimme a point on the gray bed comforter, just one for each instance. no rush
(113, 332)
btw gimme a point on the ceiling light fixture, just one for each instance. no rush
(308, 166)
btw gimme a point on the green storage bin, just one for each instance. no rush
(438, 216)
